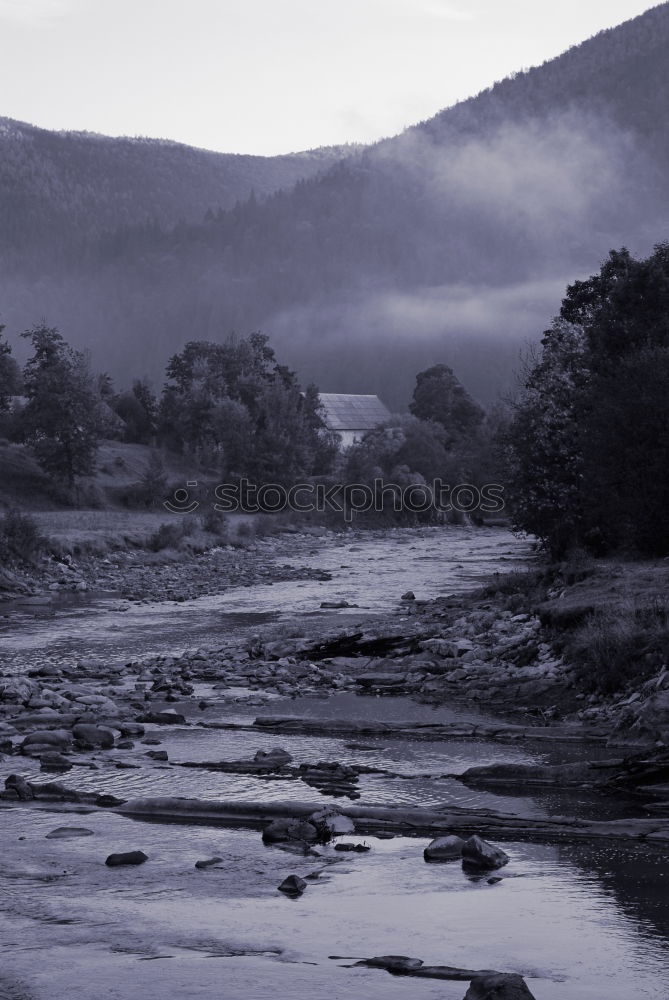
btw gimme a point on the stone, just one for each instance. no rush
(54, 761)
(353, 848)
(479, 854)
(106, 801)
(393, 963)
(20, 787)
(94, 736)
(329, 822)
(126, 858)
(289, 829)
(498, 986)
(444, 849)
(210, 863)
(163, 718)
(380, 680)
(409, 596)
(157, 754)
(59, 738)
(131, 729)
(277, 757)
(293, 886)
(69, 833)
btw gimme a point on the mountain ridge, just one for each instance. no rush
(449, 242)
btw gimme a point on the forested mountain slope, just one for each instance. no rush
(452, 241)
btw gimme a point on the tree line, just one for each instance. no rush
(587, 447)
(235, 411)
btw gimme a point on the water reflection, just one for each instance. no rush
(552, 918)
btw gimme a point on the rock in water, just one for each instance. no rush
(128, 858)
(498, 986)
(479, 854)
(293, 886)
(16, 786)
(280, 830)
(329, 822)
(210, 863)
(54, 761)
(94, 736)
(163, 718)
(69, 832)
(444, 849)
(277, 757)
(409, 596)
(58, 738)
(397, 964)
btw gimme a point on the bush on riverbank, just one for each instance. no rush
(21, 540)
(618, 645)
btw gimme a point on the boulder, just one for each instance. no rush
(209, 863)
(18, 787)
(17, 689)
(94, 736)
(498, 986)
(131, 729)
(59, 738)
(653, 716)
(126, 858)
(479, 854)
(157, 754)
(293, 886)
(329, 822)
(408, 596)
(444, 849)
(281, 830)
(54, 761)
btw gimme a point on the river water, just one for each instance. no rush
(579, 922)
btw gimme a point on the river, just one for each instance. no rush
(580, 922)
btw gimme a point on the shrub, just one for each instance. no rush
(215, 522)
(169, 535)
(618, 645)
(21, 540)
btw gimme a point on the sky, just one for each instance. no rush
(272, 76)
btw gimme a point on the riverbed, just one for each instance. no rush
(581, 922)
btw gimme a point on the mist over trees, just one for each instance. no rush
(588, 446)
(450, 242)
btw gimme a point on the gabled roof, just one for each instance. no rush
(343, 411)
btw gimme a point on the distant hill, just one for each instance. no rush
(450, 242)
(59, 189)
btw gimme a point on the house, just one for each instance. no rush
(351, 416)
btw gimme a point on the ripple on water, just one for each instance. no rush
(559, 916)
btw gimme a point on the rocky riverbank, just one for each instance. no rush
(472, 650)
(200, 566)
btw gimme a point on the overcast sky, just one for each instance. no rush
(271, 76)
